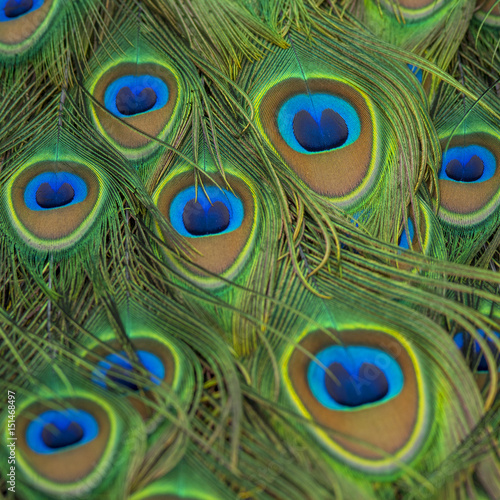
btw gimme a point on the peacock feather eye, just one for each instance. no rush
(57, 430)
(51, 205)
(23, 22)
(219, 222)
(324, 132)
(367, 389)
(154, 356)
(469, 179)
(52, 190)
(65, 446)
(141, 96)
(118, 368)
(429, 28)
(159, 361)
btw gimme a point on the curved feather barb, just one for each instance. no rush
(249, 249)
(422, 232)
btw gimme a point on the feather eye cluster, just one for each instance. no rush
(249, 249)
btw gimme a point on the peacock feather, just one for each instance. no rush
(249, 249)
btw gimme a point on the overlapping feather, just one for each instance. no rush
(216, 307)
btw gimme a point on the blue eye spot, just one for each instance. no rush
(52, 190)
(469, 164)
(116, 364)
(403, 240)
(12, 9)
(330, 133)
(199, 223)
(47, 197)
(463, 339)
(318, 122)
(470, 172)
(130, 103)
(57, 430)
(192, 214)
(63, 435)
(348, 389)
(416, 71)
(343, 378)
(132, 95)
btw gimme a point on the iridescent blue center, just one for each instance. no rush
(57, 430)
(132, 95)
(117, 368)
(52, 190)
(192, 214)
(357, 376)
(14, 9)
(468, 164)
(329, 132)
(316, 123)
(464, 341)
(200, 222)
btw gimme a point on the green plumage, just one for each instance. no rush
(249, 249)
